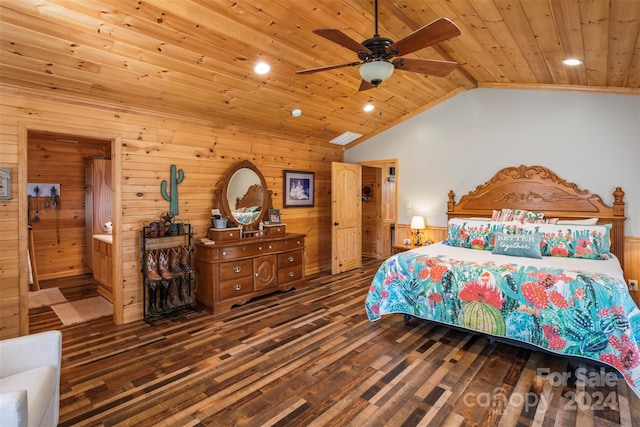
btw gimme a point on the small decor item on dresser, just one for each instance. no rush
(274, 216)
(298, 188)
(220, 223)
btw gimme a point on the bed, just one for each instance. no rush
(531, 259)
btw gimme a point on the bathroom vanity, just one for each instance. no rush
(102, 257)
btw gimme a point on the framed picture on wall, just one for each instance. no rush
(5, 184)
(298, 188)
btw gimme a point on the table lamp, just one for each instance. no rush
(417, 223)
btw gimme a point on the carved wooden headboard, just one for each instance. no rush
(536, 188)
(253, 197)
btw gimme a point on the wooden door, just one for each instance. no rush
(346, 217)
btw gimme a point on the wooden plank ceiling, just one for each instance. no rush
(195, 58)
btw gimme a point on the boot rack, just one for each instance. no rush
(167, 274)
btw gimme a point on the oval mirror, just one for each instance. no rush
(245, 198)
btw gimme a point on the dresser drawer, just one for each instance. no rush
(213, 253)
(235, 269)
(289, 259)
(237, 287)
(275, 229)
(222, 234)
(283, 245)
(289, 274)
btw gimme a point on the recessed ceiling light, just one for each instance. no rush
(296, 113)
(572, 61)
(369, 107)
(262, 68)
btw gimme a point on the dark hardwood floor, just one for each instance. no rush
(312, 358)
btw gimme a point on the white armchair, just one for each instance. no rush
(30, 380)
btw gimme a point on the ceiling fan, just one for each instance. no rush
(376, 54)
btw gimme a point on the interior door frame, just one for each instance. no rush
(24, 127)
(385, 163)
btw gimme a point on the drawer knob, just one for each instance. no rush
(259, 248)
(291, 259)
(224, 253)
(237, 269)
(237, 287)
(291, 274)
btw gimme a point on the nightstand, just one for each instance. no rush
(395, 249)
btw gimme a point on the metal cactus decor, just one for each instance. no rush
(173, 197)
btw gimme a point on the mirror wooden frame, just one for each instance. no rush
(221, 201)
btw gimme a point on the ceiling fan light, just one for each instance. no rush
(375, 72)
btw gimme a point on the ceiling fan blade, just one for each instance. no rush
(328, 67)
(341, 38)
(439, 30)
(432, 67)
(365, 85)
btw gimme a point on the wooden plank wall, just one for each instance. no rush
(148, 146)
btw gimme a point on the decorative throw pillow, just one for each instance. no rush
(520, 215)
(522, 245)
(573, 241)
(473, 234)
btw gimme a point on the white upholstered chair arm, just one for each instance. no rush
(30, 351)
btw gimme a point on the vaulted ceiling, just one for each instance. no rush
(195, 58)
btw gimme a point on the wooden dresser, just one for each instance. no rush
(233, 272)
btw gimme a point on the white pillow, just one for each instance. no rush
(589, 221)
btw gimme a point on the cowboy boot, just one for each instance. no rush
(163, 264)
(153, 311)
(185, 259)
(174, 261)
(174, 297)
(163, 297)
(185, 290)
(152, 266)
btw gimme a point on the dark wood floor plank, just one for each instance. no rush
(308, 358)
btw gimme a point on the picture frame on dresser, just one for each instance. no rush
(298, 188)
(274, 216)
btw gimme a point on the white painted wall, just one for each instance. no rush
(590, 139)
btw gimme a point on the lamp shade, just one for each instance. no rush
(375, 72)
(417, 223)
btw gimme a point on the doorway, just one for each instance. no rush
(379, 207)
(55, 165)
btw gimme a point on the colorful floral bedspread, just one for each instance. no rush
(565, 311)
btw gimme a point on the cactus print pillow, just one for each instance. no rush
(573, 241)
(474, 234)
